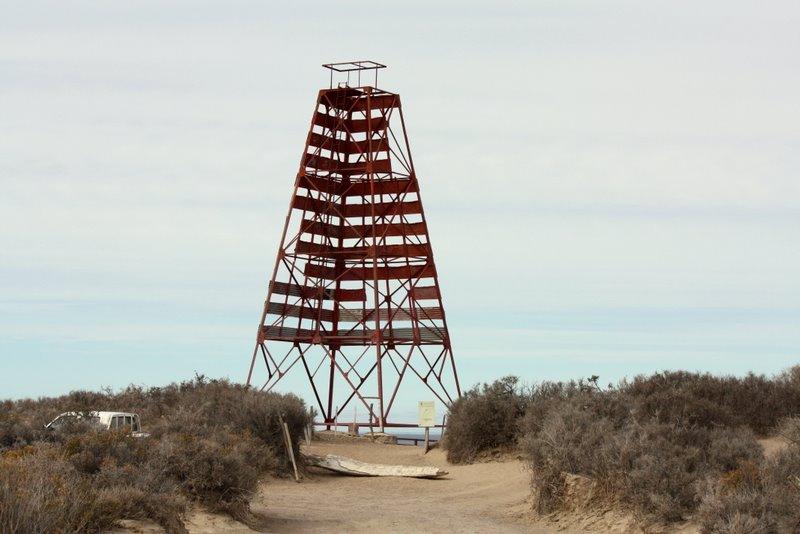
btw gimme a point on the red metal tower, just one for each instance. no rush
(354, 296)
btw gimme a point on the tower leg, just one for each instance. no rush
(252, 364)
(380, 388)
(329, 416)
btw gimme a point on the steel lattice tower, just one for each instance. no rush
(354, 297)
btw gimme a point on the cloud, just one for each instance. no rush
(571, 157)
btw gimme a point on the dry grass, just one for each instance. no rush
(211, 442)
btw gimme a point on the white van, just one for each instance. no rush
(103, 420)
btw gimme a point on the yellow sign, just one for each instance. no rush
(427, 413)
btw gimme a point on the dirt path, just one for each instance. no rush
(486, 497)
(478, 498)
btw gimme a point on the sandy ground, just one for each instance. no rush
(486, 497)
(479, 498)
(772, 445)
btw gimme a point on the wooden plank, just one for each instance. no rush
(349, 466)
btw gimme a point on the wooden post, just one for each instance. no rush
(444, 427)
(370, 418)
(427, 438)
(287, 439)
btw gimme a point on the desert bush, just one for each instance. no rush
(727, 448)
(90, 451)
(490, 417)
(214, 402)
(41, 492)
(756, 401)
(663, 465)
(652, 466)
(484, 418)
(243, 410)
(131, 502)
(651, 443)
(13, 431)
(217, 467)
(545, 396)
(567, 439)
(211, 442)
(789, 429)
(760, 497)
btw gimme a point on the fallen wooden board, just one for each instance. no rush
(349, 466)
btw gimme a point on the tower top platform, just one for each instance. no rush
(357, 67)
(350, 66)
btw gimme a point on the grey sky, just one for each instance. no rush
(614, 185)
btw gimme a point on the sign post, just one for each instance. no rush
(427, 419)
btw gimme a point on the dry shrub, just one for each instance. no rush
(13, 430)
(211, 442)
(215, 466)
(219, 404)
(90, 451)
(42, 492)
(489, 417)
(484, 419)
(220, 401)
(760, 497)
(652, 467)
(650, 443)
(727, 448)
(757, 401)
(789, 429)
(130, 502)
(664, 463)
(568, 439)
